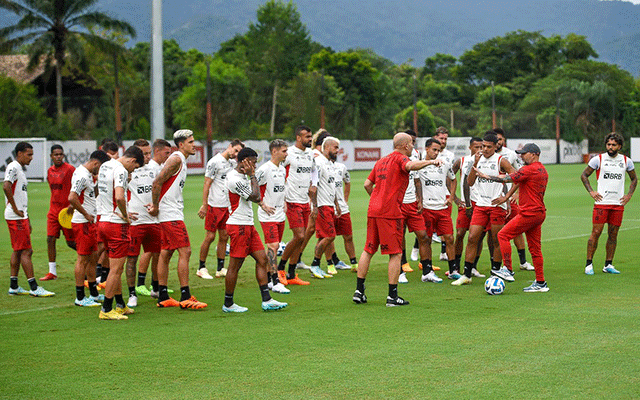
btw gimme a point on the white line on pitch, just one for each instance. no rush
(34, 309)
(583, 235)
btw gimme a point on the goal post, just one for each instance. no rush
(37, 170)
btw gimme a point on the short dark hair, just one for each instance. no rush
(100, 156)
(106, 140)
(490, 136)
(499, 131)
(321, 137)
(474, 139)
(56, 147)
(135, 152)
(141, 143)
(431, 141)
(614, 136)
(411, 132)
(109, 147)
(236, 142)
(22, 146)
(160, 143)
(276, 144)
(246, 153)
(301, 128)
(442, 129)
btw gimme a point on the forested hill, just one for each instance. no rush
(402, 29)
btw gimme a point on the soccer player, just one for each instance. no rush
(215, 207)
(465, 204)
(343, 222)
(161, 151)
(82, 198)
(59, 179)
(326, 203)
(110, 147)
(386, 185)
(299, 165)
(612, 168)
(144, 230)
(243, 190)
(168, 205)
(516, 163)
(271, 179)
(532, 179)
(437, 184)
(17, 217)
(411, 209)
(102, 268)
(113, 228)
(486, 211)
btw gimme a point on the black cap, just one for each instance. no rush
(529, 148)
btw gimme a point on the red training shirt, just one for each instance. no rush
(533, 179)
(60, 184)
(390, 179)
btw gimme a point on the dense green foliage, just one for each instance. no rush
(273, 77)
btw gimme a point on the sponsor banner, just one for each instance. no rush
(547, 148)
(572, 153)
(366, 153)
(37, 169)
(635, 149)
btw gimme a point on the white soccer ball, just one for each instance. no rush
(494, 285)
(281, 248)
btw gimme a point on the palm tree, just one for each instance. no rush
(50, 28)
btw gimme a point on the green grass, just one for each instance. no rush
(577, 341)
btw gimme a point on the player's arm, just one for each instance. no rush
(419, 164)
(171, 166)
(418, 184)
(632, 187)
(6, 186)
(121, 202)
(368, 186)
(471, 178)
(346, 190)
(495, 178)
(74, 202)
(584, 177)
(202, 212)
(507, 196)
(453, 183)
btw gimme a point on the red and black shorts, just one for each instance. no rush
(272, 231)
(20, 233)
(174, 235)
(326, 222)
(115, 238)
(386, 233)
(149, 236)
(216, 218)
(438, 221)
(298, 215)
(54, 227)
(86, 238)
(244, 240)
(488, 216)
(412, 220)
(343, 225)
(608, 214)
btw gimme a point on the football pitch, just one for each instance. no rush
(579, 340)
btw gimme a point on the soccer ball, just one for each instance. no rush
(494, 285)
(281, 248)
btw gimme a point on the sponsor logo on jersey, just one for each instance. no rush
(303, 170)
(435, 182)
(144, 189)
(612, 175)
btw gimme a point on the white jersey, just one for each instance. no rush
(155, 167)
(611, 173)
(466, 163)
(488, 190)
(511, 156)
(112, 174)
(342, 177)
(300, 165)
(447, 156)
(410, 193)
(83, 185)
(239, 186)
(217, 169)
(171, 204)
(326, 194)
(434, 186)
(140, 194)
(271, 179)
(15, 174)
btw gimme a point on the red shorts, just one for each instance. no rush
(486, 216)
(20, 234)
(216, 218)
(438, 221)
(149, 236)
(386, 233)
(326, 222)
(54, 228)
(515, 210)
(244, 240)
(611, 215)
(115, 237)
(298, 215)
(174, 235)
(462, 221)
(85, 234)
(272, 231)
(412, 219)
(343, 225)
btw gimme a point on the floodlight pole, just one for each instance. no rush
(157, 80)
(415, 107)
(322, 115)
(493, 106)
(209, 114)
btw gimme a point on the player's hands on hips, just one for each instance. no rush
(419, 207)
(133, 216)
(19, 213)
(499, 200)
(153, 209)
(202, 212)
(89, 218)
(625, 199)
(458, 202)
(596, 196)
(268, 209)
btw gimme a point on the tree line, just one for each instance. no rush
(273, 77)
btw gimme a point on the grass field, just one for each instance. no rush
(579, 340)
